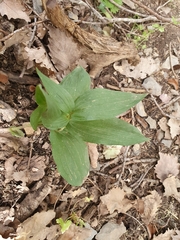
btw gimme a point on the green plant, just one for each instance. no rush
(76, 114)
(64, 224)
(106, 4)
(140, 33)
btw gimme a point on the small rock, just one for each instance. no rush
(111, 231)
(151, 122)
(140, 109)
(28, 129)
(167, 65)
(6, 112)
(136, 149)
(152, 86)
(167, 143)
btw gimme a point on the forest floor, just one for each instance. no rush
(133, 192)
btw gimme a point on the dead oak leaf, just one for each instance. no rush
(167, 165)
(116, 200)
(170, 185)
(165, 236)
(14, 9)
(151, 204)
(64, 50)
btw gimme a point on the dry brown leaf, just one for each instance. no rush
(174, 82)
(14, 9)
(151, 204)
(64, 50)
(170, 186)
(164, 236)
(75, 232)
(93, 154)
(40, 56)
(73, 194)
(167, 165)
(35, 227)
(22, 36)
(116, 200)
(98, 51)
(3, 77)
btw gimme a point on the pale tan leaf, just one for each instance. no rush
(151, 204)
(14, 9)
(163, 125)
(93, 154)
(164, 236)
(177, 236)
(111, 151)
(35, 227)
(167, 165)
(174, 125)
(40, 56)
(171, 188)
(116, 200)
(64, 50)
(22, 36)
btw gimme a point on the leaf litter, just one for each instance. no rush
(96, 53)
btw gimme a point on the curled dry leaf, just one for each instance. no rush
(151, 204)
(14, 9)
(93, 154)
(116, 200)
(174, 83)
(166, 166)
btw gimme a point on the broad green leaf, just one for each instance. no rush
(58, 92)
(109, 132)
(104, 104)
(39, 96)
(71, 156)
(77, 82)
(35, 118)
(53, 118)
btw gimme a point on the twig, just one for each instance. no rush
(165, 114)
(161, 18)
(170, 61)
(136, 221)
(21, 29)
(123, 165)
(139, 181)
(171, 102)
(163, 5)
(127, 10)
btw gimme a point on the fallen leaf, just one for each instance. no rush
(164, 236)
(177, 236)
(93, 154)
(174, 125)
(3, 77)
(165, 98)
(171, 188)
(64, 50)
(174, 83)
(35, 227)
(152, 86)
(116, 200)
(22, 36)
(151, 204)
(14, 9)
(166, 166)
(146, 67)
(163, 125)
(111, 231)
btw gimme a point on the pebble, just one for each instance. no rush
(152, 86)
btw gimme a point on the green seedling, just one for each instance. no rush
(107, 5)
(76, 114)
(63, 224)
